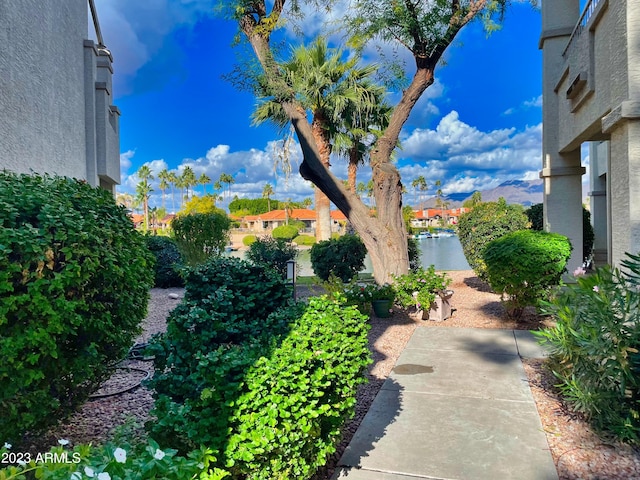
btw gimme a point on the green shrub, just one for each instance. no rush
(74, 287)
(304, 240)
(342, 257)
(266, 391)
(595, 347)
(427, 283)
(247, 240)
(201, 235)
(273, 253)
(122, 462)
(487, 221)
(535, 215)
(168, 261)
(523, 266)
(285, 232)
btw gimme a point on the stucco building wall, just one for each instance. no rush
(591, 93)
(56, 112)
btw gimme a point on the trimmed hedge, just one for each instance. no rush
(285, 232)
(487, 221)
(266, 387)
(74, 287)
(535, 214)
(525, 265)
(305, 240)
(342, 257)
(247, 240)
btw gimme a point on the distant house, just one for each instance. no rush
(437, 217)
(56, 112)
(591, 93)
(266, 222)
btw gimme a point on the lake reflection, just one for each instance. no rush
(445, 253)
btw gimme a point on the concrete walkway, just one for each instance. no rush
(456, 406)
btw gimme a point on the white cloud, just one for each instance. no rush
(534, 102)
(464, 158)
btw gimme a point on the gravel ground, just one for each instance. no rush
(577, 451)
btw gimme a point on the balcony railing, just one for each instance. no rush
(582, 22)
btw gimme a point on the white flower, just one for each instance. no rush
(7, 446)
(76, 476)
(596, 288)
(104, 476)
(63, 442)
(159, 455)
(22, 463)
(579, 272)
(120, 455)
(88, 471)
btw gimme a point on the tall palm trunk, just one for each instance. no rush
(322, 202)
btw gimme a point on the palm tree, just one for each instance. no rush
(203, 179)
(267, 191)
(327, 86)
(307, 202)
(173, 181)
(437, 184)
(361, 122)
(229, 180)
(143, 190)
(189, 179)
(165, 182)
(420, 184)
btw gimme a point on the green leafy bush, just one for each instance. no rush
(266, 389)
(427, 283)
(535, 215)
(247, 240)
(124, 462)
(168, 261)
(273, 253)
(74, 287)
(306, 240)
(595, 347)
(285, 232)
(523, 266)
(487, 221)
(201, 235)
(342, 257)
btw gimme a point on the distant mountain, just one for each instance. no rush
(524, 192)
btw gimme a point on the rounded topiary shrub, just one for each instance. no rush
(487, 221)
(304, 240)
(343, 257)
(168, 261)
(74, 287)
(524, 265)
(536, 215)
(247, 240)
(285, 232)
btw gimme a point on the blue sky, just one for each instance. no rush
(477, 126)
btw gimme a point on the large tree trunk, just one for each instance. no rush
(352, 168)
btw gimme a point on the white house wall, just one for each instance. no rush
(55, 117)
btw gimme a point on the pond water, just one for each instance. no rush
(445, 253)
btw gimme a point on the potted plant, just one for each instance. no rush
(382, 298)
(425, 290)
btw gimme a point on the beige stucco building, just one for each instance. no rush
(56, 112)
(591, 93)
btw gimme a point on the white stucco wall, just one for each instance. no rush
(48, 114)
